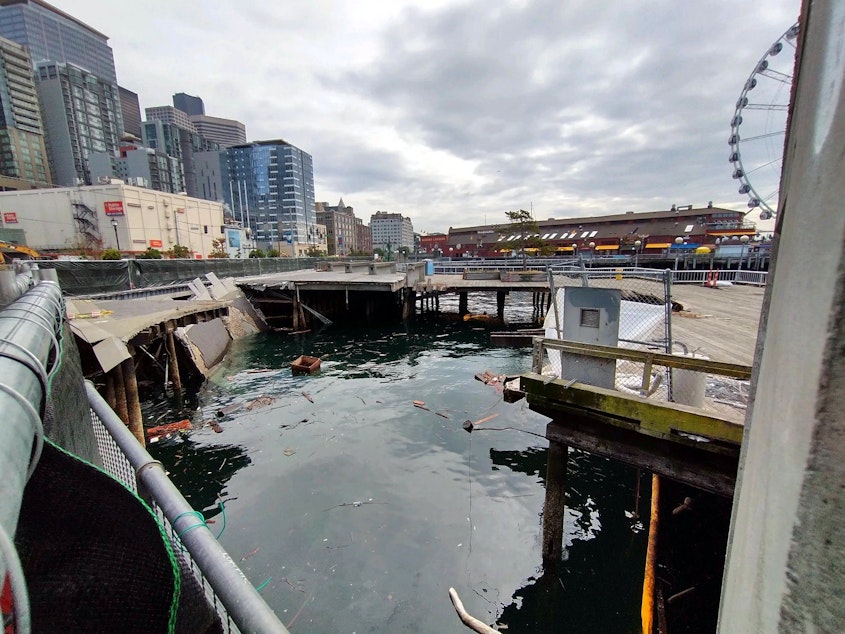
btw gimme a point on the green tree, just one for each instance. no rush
(111, 254)
(179, 251)
(149, 254)
(272, 253)
(314, 252)
(218, 249)
(256, 253)
(523, 233)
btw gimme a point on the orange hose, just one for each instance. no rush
(647, 610)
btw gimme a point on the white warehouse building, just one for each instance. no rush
(114, 215)
(391, 229)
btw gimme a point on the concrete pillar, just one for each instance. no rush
(787, 540)
(555, 505)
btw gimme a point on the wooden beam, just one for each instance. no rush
(734, 370)
(660, 419)
(709, 471)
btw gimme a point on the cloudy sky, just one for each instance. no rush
(455, 111)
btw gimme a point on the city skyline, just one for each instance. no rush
(454, 113)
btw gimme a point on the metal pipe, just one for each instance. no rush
(26, 356)
(243, 603)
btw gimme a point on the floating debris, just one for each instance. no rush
(470, 425)
(251, 553)
(308, 396)
(155, 434)
(421, 405)
(289, 451)
(261, 401)
(305, 365)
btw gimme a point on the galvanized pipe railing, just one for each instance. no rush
(242, 602)
(29, 351)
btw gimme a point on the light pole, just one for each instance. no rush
(678, 241)
(116, 238)
(637, 245)
(744, 240)
(592, 246)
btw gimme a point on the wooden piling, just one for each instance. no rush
(133, 403)
(555, 505)
(500, 304)
(109, 390)
(647, 609)
(173, 363)
(119, 393)
(463, 303)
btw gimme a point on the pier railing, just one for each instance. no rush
(558, 267)
(240, 607)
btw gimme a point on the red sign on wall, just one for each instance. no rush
(113, 207)
(10, 216)
(155, 243)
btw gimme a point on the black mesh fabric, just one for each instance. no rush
(93, 554)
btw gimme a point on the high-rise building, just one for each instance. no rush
(81, 114)
(131, 110)
(140, 166)
(50, 34)
(175, 140)
(270, 186)
(188, 104)
(209, 170)
(226, 132)
(391, 231)
(23, 154)
(169, 114)
(340, 222)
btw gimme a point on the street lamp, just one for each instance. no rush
(116, 238)
(592, 246)
(678, 241)
(637, 245)
(744, 240)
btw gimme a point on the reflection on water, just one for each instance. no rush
(362, 509)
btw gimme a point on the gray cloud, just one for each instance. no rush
(465, 110)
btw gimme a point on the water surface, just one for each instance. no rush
(362, 510)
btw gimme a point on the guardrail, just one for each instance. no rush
(219, 575)
(698, 276)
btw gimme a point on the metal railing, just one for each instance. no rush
(230, 591)
(558, 267)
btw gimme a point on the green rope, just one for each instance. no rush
(263, 585)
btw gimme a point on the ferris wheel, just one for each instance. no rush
(758, 127)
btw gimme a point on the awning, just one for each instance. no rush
(504, 250)
(531, 250)
(607, 247)
(565, 249)
(659, 245)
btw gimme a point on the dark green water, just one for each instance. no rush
(363, 510)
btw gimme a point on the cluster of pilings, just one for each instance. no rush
(121, 383)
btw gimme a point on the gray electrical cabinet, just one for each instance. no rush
(591, 315)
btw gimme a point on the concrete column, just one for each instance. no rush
(787, 540)
(555, 505)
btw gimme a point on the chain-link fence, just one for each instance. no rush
(645, 323)
(645, 319)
